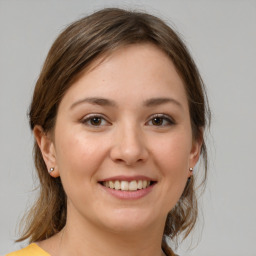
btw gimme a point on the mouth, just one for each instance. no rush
(124, 185)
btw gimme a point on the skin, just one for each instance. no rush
(126, 141)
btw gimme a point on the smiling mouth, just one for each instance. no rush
(133, 185)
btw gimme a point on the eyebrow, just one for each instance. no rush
(110, 103)
(159, 101)
(95, 101)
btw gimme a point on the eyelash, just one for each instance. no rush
(89, 118)
(167, 120)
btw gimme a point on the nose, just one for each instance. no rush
(129, 146)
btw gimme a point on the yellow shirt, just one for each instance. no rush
(30, 250)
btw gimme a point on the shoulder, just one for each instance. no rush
(30, 250)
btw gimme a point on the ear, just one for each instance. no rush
(195, 150)
(47, 148)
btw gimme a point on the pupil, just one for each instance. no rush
(157, 121)
(96, 121)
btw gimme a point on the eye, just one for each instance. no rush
(160, 120)
(95, 120)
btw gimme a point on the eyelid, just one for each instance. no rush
(88, 117)
(166, 117)
(85, 120)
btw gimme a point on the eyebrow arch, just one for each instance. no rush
(95, 101)
(110, 103)
(159, 101)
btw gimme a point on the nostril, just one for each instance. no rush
(128, 161)
(129, 151)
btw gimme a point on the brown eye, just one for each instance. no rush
(96, 121)
(157, 121)
(161, 120)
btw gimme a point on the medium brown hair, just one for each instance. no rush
(77, 47)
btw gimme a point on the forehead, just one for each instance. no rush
(132, 72)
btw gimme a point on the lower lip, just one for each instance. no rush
(129, 195)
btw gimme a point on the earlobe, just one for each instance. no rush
(195, 153)
(194, 157)
(196, 150)
(47, 148)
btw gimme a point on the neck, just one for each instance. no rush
(86, 239)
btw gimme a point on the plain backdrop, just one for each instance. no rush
(221, 36)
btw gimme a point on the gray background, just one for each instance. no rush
(222, 38)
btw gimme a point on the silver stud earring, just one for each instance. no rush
(51, 170)
(191, 171)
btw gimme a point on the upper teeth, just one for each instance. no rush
(127, 185)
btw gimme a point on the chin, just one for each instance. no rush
(129, 220)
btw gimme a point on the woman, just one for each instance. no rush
(118, 115)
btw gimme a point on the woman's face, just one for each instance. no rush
(123, 143)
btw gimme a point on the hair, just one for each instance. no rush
(75, 49)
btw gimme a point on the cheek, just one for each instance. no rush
(174, 151)
(77, 155)
(172, 159)
(78, 159)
